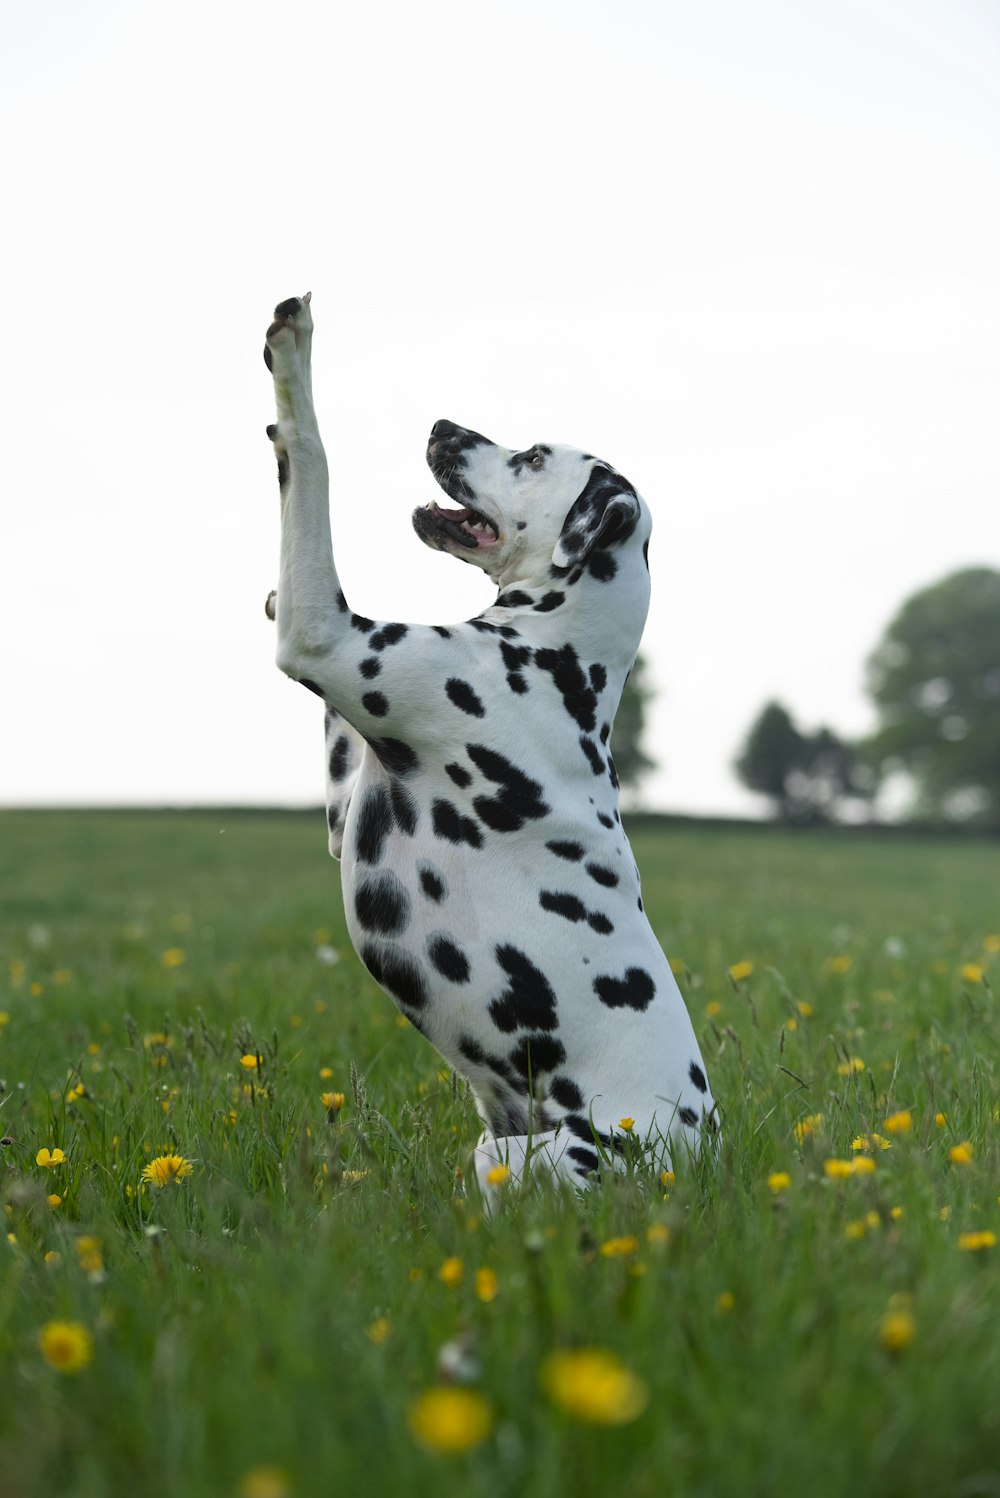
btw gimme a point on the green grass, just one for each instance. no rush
(232, 1316)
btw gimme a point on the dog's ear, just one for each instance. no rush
(605, 513)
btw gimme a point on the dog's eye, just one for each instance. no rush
(536, 459)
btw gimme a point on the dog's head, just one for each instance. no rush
(524, 515)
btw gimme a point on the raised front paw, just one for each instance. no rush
(290, 333)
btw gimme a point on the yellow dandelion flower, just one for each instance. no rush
(972, 972)
(961, 1154)
(740, 970)
(724, 1303)
(849, 1067)
(450, 1420)
(325, 1073)
(658, 1234)
(486, 1285)
(838, 1170)
(811, 1124)
(615, 1248)
(379, 1330)
(167, 1168)
(667, 1179)
(677, 965)
(593, 1385)
(450, 1273)
(52, 1257)
(55, 1200)
(804, 1008)
(265, 1482)
(626, 1124)
(50, 1158)
(713, 1009)
(992, 943)
(66, 1345)
(940, 1120)
(897, 1330)
(353, 1175)
(779, 1180)
(896, 1213)
(792, 1023)
(863, 1165)
(870, 1142)
(333, 1101)
(498, 1175)
(855, 1229)
(972, 1243)
(249, 1061)
(88, 1251)
(840, 964)
(899, 1123)
(174, 957)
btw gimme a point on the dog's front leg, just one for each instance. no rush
(307, 585)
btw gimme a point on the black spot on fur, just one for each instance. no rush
(568, 906)
(432, 883)
(552, 600)
(519, 799)
(382, 904)
(635, 991)
(578, 695)
(698, 1077)
(464, 697)
(370, 666)
(359, 621)
(398, 758)
(439, 629)
(514, 656)
(572, 852)
(528, 1002)
(515, 599)
(341, 601)
(598, 677)
(375, 703)
(398, 974)
(534, 1055)
(603, 875)
(589, 1159)
(645, 554)
(339, 757)
(592, 752)
(474, 1052)
(310, 686)
(283, 470)
(583, 1129)
(374, 825)
(404, 808)
(604, 820)
(605, 732)
(389, 634)
(516, 682)
(449, 824)
(566, 1094)
(603, 566)
(450, 961)
(459, 774)
(599, 923)
(687, 1116)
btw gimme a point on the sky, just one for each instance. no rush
(749, 254)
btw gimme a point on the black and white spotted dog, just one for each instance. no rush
(489, 886)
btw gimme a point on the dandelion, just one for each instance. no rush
(973, 1243)
(55, 1200)
(863, 1165)
(333, 1101)
(779, 1180)
(379, 1330)
(66, 1345)
(450, 1273)
(658, 1234)
(498, 1175)
(325, 1073)
(856, 1229)
(972, 972)
(265, 1482)
(724, 1302)
(667, 1179)
(249, 1061)
(353, 1175)
(849, 1067)
(52, 1257)
(740, 970)
(713, 1009)
(897, 1330)
(841, 964)
(486, 1285)
(50, 1158)
(173, 957)
(870, 1142)
(940, 1120)
(804, 1008)
(961, 1154)
(677, 965)
(167, 1168)
(811, 1124)
(626, 1124)
(450, 1420)
(839, 1170)
(616, 1248)
(895, 1213)
(88, 1251)
(593, 1385)
(899, 1123)
(992, 943)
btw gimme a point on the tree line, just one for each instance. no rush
(934, 680)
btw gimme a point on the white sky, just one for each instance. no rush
(749, 253)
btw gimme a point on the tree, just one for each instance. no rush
(935, 682)
(631, 760)
(808, 777)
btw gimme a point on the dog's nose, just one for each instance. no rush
(444, 429)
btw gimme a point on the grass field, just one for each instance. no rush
(318, 1306)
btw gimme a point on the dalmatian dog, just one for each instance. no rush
(488, 883)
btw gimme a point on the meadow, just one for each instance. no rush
(244, 1256)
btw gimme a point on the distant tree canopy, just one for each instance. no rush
(807, 777)
(631, 760)
(935, 682)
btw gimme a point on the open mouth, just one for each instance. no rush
(466, 526)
